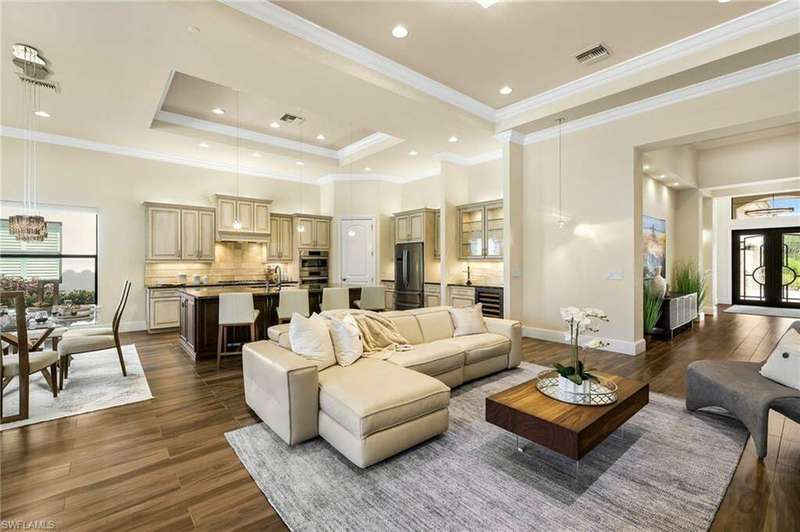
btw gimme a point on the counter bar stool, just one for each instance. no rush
(335, 298)
(372, 298)
(236, 309)
(291, 300)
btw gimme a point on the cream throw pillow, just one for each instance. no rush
(783, 365)
(468, 320)
(346, 338)
(309, 338)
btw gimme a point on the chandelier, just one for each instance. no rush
(770, 210)
(32, 75)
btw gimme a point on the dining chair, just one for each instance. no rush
(236, 309)
(291, 300)
(25, 363)
(91, 339)
(372, 298)
(335, 298)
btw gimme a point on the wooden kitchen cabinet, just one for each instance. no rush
(179, 232)
(437, 224)
(461, 296)
(413, 226)
(312, 232)
(480, 227)
(253, 215)
(280, 244)
(162, 309)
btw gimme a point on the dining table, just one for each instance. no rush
(46, 324)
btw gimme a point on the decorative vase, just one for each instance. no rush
(658, 285)
(566, 385)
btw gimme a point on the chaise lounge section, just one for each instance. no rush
(374, 408)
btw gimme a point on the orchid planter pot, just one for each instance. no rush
(566, 385)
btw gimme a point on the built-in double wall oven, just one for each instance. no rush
(313, 266)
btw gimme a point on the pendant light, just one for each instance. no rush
(33, 72)
(237, 224)
(562, 222)
(772, 210)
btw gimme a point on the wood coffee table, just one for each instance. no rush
(572, 430)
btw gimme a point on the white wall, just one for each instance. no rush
(116, 186)
(582, 264)
(748, 162)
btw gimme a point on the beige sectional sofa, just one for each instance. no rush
(374, 408)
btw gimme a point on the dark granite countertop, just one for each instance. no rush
(207, 292)
(200, 285)
(477, 285)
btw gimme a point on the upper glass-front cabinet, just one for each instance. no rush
(481, 229)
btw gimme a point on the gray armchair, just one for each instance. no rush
(739, 388)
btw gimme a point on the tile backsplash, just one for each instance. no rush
(480, 272)
(233, 262)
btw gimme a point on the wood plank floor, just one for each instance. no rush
(164, 463)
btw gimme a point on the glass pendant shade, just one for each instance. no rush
(27, 227)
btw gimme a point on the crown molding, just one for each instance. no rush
(216, 128)
(468, 161)
(756, 20)
(299, 27)
(510, 136)
(332, 178)
(366, 143)
(777, 67)
(73, 142)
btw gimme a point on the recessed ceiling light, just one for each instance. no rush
(218, 111)
(453, 139)
(367, 169)
(299, 163)
(43, 114)
(412, 153)
(675, 184)
(256, 154)
(662, 176)
(204, 145)
(193, 29)
(506, 90)
(723, 1)
(646, 167)
(274, 125)
(400, 31)
(320, 137)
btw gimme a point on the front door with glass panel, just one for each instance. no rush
(766, 267)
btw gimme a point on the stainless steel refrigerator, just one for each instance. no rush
(409, 276)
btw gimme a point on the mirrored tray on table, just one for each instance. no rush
(602, 392)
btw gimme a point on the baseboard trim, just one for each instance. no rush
(617, 346)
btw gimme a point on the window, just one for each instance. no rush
(63, 267)
(766, 205)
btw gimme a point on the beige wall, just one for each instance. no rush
(595, 260)
(677, 163)
(116, 186)
(748, 162)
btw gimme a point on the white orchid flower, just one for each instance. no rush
(596, 343)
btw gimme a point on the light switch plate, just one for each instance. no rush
(615, 276)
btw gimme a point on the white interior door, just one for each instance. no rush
(356, 248)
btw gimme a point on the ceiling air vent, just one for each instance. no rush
(593, 54)
(292, 119)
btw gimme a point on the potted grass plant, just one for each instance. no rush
(575, 378)
(688, 279)
(652, 309)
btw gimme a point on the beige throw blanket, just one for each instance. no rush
(378, 334)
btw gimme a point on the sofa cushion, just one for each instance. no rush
(432, 359)
(435, 325)
(407, 326)
(480, 347)
(373, 395)
(275, 332)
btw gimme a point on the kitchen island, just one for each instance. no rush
(199, 314)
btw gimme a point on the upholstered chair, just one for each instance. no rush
(88, 340)
(372, 298)
(335, 298)
(291, 300)
(236, 309)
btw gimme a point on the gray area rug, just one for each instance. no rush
(95, 382)
(667, 469)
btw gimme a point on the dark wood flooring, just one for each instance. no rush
(164, 463)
